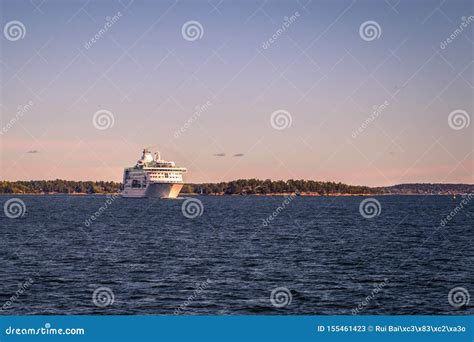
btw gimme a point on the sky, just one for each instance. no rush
(361, 92)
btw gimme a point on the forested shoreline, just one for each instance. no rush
(265, 187)
(241, 186)
(237, 187)
(59, 186)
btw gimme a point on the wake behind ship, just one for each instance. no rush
(153, 177)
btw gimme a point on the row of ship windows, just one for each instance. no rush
(165, 175)
(137, 185)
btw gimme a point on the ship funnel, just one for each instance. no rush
(147, 156)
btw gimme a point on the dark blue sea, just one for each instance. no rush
(236, 255)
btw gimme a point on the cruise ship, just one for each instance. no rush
(152, 177)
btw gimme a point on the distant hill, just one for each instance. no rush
(428, 188)
(240, 186)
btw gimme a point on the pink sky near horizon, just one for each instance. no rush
(66, 160)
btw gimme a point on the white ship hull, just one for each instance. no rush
(155, 190)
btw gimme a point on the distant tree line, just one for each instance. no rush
(240, 186)
(257, 186)
(58, 186)
(428, 189)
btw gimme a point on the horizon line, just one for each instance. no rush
(258, 179)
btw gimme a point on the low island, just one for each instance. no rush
(239, 187)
